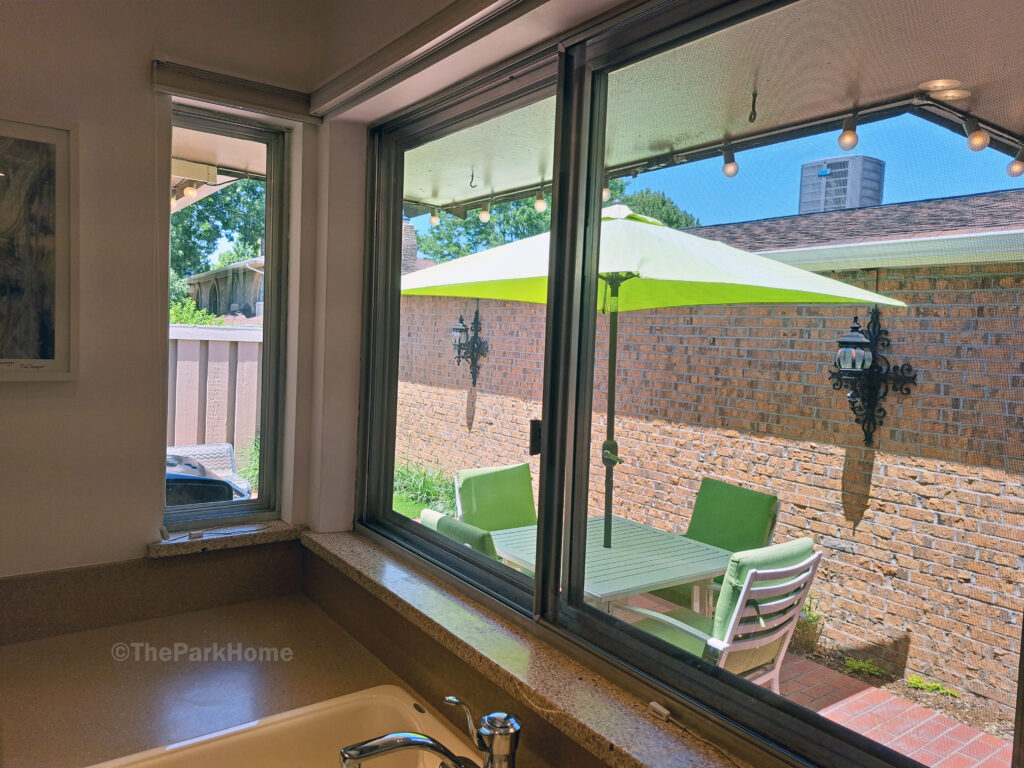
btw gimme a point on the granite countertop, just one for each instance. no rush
(224, 537)
(608, 721)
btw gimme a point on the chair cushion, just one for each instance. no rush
(731, 517)
(459, 531)
(494, 498)
(741, 563)
(676, 636)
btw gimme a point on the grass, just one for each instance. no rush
(421, 486)
(808, 630)
(406, 507)
(865, 667)
(916, 681)
(250, 468)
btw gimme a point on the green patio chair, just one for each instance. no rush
(729, 517)
(495, 498)
(762, 595)
(487, 499)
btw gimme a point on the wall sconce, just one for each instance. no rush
(867, 374)
(468, 344)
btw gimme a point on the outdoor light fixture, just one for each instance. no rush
(189, 192)
(468, 344)
(485, 213)
(540, 204)
(867, 374)
(977, 137)
(435, 217)
(606, 191)
(729, 165)
(1016, 166)
(848, 138)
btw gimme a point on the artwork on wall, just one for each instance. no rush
(36, 268)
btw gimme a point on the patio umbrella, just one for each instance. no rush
(642, 265)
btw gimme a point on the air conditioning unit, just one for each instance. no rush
(837, 183)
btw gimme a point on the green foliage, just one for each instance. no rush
(916, 681)
(454, 238)
(177, 288)
(809, 627)
(865, 667)
(239, 252)
(237, 212)
(426, 487)
(186, 312)
(250, 468)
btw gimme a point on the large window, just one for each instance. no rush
(224, 359)
(779, 368)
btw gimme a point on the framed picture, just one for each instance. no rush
(37, 279)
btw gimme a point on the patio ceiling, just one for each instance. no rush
(210, 162)
(806, 60)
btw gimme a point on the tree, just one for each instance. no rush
(454, 238)
(177, 288)
(237, 212)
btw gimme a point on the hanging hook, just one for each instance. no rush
(753, 108)
(472, 175)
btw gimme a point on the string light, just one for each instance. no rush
(1016, 166)
(540, 204)
(729, 165)
(848, 138)
(189, 192)
(485, 213)
(435, 217)
(977, 137)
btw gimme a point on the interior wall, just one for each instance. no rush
(81, 463)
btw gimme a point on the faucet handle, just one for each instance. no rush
(470, 722)
(499, 731)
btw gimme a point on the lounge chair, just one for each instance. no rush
(762, 595)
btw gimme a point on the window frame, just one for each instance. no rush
(266, 506)
(791, 733)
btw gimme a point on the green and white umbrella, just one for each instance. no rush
(643, 265)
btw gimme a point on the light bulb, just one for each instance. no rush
(435, 217)
(942, 84)
(977, 137)
(848, 138)
(729, 165)
(606, 194)
(173, 201)
(189, 192)
(485, 213)
(1016, 166)
(540, 204)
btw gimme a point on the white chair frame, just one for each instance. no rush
(782, 601)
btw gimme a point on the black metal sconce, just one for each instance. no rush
(468, 344)
(867, 374)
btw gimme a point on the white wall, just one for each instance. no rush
(81, 463)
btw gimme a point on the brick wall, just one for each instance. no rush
(922, 535)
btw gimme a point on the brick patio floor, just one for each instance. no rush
(929, 737)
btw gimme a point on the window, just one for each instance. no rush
(224, 355)
(782, 334)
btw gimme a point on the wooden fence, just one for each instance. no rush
(213, 384)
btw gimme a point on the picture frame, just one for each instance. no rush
(38, 226)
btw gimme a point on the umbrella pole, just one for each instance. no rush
(610, 449)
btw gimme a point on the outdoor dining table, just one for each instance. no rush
(641, 559)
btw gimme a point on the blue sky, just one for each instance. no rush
(922, 161)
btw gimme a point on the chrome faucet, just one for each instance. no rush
(497, 737)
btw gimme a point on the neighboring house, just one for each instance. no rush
(236, 288)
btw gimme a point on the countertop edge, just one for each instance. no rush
(246, 535)
(607, 721)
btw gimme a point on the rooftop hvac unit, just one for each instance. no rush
(838, 183)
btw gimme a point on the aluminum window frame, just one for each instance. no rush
(789, 733)
(267, 504)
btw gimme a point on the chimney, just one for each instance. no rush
(409, 257)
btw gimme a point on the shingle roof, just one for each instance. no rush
(969, 214)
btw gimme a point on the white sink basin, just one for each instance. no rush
(310, 737)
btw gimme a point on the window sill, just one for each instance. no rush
(606, 720)
(228, 537)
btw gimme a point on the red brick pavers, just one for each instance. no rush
(929, 737)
